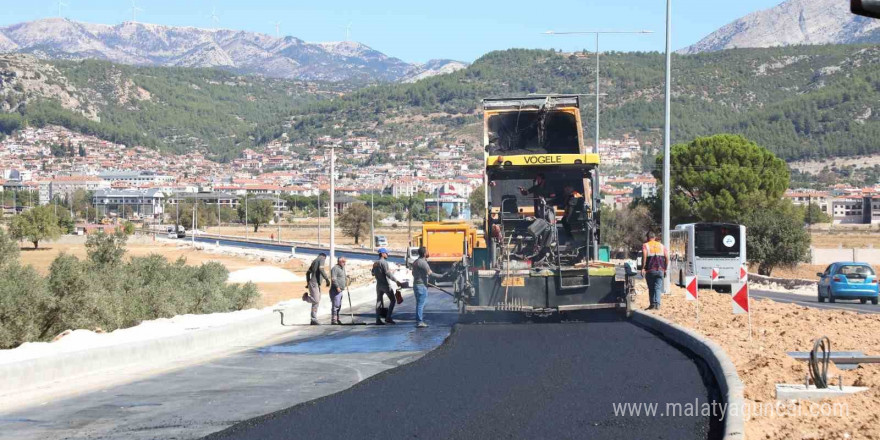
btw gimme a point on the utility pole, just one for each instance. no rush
(245, 214)
(218, 215)
(666, 135)
(438, 204)
(332, 204)
(372, 221)
(319, 216)
(195, 204)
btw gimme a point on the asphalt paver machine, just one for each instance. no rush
(542, 221)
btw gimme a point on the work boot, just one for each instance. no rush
(314, 323)
(651, 307)
(379, 322)
(422, 324)
(390, 321)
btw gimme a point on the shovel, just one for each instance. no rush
(350, 311)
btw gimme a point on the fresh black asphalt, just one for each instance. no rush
(513, 381)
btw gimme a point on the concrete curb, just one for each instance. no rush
(722, 367)
(57, 369)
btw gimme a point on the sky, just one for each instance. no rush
(419, 30)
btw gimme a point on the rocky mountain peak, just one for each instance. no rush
(793, 22)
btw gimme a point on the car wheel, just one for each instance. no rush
(864, 300)
(874, 301)
(821, 298)
(831, 296)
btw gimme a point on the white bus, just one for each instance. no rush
(696, 248)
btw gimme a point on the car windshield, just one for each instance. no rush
(853, 271)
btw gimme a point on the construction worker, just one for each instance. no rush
(383, 275)
(421, 273)
(541, 193)
(338, 284)
(655, 258)
(313, 283)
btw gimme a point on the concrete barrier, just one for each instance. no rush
(722, 367)
(59, 368)
(828, 256)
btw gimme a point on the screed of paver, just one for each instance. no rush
(513, 381)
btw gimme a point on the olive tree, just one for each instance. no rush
(35, 225)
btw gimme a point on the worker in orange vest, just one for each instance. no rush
(655, 259)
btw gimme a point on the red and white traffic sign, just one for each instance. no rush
(740, 298)
(714, 274)
(743, 273)
(690, 284)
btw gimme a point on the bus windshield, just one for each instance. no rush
(717, 241)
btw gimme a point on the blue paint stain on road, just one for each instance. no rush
(371, 341)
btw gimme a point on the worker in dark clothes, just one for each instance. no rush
(313, 283)
(338, 284)
(383, 276)
(422, 273)
(542, 195)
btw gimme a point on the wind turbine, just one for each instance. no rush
(134, 10)
(61, 5)
(348, 32)
(277, 28)
(215, 19)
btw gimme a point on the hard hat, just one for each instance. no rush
(383, 251)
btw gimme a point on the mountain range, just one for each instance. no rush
(791, 23)
(243, 52)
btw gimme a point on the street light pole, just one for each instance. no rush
(372, 220)
(666, 135)
(595, 179)
(332, 204)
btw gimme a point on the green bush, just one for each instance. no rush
(106, 292)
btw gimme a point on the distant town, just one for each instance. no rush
(55, 162)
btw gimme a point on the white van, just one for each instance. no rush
(379, 241)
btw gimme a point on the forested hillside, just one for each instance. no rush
(800, 102)
(807, 101)
(176, 109)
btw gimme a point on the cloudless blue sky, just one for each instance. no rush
(418, 30)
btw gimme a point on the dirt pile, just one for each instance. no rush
(762, 362)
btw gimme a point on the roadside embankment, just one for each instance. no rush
(762, 362)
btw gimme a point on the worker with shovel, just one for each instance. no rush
(338, 284)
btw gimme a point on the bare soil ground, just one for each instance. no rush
(272, 293)
(847, 239)
(762, 361)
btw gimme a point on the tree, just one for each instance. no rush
(722, 178)
(813, 214)
(776, 237)
(106, 250)
(8, 249)
(477, 201)
(625, 229)
(259, 212)
(355, 221)
(35, 225)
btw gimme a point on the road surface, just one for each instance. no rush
(194, 401)
(813, 302)
(515, 381)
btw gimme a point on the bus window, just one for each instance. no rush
(716, 241)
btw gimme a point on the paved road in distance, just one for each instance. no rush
(813, 302)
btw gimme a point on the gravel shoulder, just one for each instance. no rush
(762, 362)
